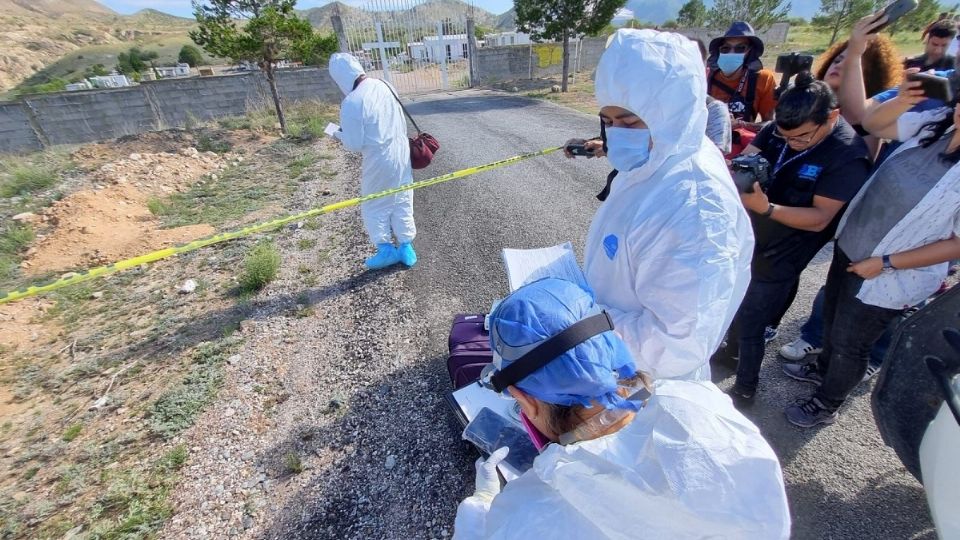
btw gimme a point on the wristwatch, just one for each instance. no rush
(887, 265)
(769, 211)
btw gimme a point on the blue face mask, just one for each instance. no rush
(730, 62)
(627, 148)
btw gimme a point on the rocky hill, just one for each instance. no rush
(319, 17)
(38, 34)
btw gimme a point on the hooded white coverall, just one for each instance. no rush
(373, 124)
(668, 253)
(689, 466)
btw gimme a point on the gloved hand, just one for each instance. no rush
(488, 482)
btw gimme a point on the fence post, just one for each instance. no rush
(337, 23)
(472, 53)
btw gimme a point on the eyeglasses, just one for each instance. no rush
(798, 139)
(734, 48)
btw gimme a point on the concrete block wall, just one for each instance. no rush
(541, 60)
(42, 120)
(15, 129)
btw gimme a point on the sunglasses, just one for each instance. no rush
(734, 48)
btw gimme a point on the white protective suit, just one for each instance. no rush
(373, 123)
(668, 253)
(689, 466)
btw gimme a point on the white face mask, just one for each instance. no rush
(627, 148)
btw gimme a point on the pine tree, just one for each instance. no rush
(693, 14)
(761, 14)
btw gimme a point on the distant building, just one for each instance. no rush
(82, 85)
(170, 72)
(453, 47)
(506, 38)
(110, 81)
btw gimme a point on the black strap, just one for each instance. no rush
(551, 349)
(752, 77)
(602, 196)
(412, 121)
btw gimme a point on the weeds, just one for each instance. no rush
(300, 164)
(260, 267)
(22, 176)
(14, 237)
(177, 409)
(206, 143)
(292, 463)
(306, 243)
(72, 432)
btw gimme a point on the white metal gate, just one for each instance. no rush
(411, 43)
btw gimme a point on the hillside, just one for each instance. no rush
(319, 17)
(44, 39)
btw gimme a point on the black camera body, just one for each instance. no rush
(789, 65)
(746, 170)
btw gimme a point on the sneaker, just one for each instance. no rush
(872, 370)
(804, 372)
(798, 349)
(770, 334)
(407, 255)
(386, 256)
(810, 412)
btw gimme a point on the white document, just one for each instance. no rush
(528, 265)
(331, 129)
(473, 397)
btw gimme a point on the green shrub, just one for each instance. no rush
(260, 267)
(292, 463)
(72, 432)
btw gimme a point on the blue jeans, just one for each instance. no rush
(812, 331)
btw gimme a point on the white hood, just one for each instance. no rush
(345, 68)
(660, 77)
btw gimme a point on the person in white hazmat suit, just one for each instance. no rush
(668, 253)
(372, 123)
(683, 464)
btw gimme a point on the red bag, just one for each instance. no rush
(423, 146)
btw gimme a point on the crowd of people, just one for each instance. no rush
(689, 269)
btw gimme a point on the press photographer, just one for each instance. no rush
(813, 163)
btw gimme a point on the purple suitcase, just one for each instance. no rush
(469, 349)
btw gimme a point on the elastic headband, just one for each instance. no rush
(551, 349)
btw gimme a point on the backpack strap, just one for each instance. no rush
(412, 121)
(752, 77)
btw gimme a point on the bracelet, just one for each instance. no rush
(769, 211)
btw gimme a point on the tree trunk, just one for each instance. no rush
(272, 81)
(838, 22)
(566, 60)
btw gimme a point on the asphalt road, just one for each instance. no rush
(842, 481)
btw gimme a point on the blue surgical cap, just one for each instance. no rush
(588, 372)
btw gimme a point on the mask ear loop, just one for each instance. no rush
(603, 134)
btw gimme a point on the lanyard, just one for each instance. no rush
(781, 164)
(743, 82)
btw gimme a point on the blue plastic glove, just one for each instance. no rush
(488, 482)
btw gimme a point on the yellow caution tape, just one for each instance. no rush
(154, 256)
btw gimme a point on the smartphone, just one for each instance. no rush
(934, 87)
(895, 10)
(579, 150)
(489, 431)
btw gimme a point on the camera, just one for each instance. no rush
(789, 65)
(749, 169)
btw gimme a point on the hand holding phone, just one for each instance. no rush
(893, 11)
(933, 86)
(579, 150)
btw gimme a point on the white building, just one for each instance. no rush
(110, 81)
(82, 85)
(169, 72)
(432, 49)
(506, 38)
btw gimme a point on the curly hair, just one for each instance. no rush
(882, 64)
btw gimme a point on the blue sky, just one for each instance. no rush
(651, 10)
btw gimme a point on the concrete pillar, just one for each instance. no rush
(337, 23)
(472, 53)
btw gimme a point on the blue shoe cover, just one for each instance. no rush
(407, 255)
(386, 256)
